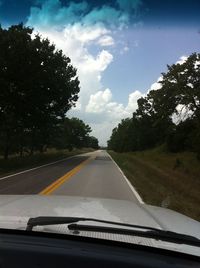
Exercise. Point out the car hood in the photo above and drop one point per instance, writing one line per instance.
(15, 210)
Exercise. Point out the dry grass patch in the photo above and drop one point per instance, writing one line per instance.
(164, 179)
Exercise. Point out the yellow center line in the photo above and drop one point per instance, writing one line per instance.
(53, 186)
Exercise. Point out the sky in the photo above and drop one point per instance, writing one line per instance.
(119, 47)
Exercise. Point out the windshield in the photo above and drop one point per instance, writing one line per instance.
(100, 112)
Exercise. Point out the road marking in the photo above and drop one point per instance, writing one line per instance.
(138, 197)
(52, 187)
(45, 165)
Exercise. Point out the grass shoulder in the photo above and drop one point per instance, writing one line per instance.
(164, 179)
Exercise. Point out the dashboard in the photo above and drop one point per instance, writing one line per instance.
(35, 249)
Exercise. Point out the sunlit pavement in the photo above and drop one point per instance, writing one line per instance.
(89, 175)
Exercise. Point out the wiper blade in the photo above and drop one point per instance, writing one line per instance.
(48, 220)
(144, 231)
(167, 236)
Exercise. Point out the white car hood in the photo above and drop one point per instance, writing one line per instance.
(15, 210)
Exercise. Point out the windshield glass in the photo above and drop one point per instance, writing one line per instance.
(100, 109)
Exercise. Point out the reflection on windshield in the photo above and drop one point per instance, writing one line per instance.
(100, 111)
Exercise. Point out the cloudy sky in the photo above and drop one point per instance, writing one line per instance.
(119, 47)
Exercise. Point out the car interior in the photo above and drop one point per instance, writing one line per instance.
(35, 249)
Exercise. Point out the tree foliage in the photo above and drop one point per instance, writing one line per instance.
(168, 115)
(38, 85)
(75, 133)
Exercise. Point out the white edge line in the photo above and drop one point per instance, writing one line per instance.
(138, 197)
(45, 165)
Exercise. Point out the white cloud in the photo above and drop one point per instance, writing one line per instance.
(73, 29)
(73, 40)
(157, 85)
(132, 101)
(98, 63)
(106, 40)
(182, 60)
(107, 113)
(101, 103)
(98, 101)
(86, 34)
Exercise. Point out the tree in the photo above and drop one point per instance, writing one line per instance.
(179, 97)
(181, 138)
(38, 85)
(75, 134)
(180, 90)
(92, 142)
(121, 138)
(153, 123)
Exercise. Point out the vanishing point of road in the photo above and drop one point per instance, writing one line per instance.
(92, 174)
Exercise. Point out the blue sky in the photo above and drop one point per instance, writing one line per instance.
(120, 47)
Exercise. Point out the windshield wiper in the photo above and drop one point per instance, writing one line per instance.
(51, 220)
(157, 234)
(147, 232)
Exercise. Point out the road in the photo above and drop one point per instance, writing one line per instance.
(92, 174)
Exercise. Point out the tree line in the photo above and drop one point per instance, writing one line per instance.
(38, 86)
(169, 115)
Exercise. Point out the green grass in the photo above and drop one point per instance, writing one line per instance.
(164, 179)
(17, 164)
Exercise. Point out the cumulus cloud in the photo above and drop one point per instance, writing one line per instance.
(98, 101)
(101, 103)
(157, 85)
(74, 27)
(108, 113)
(73, 40)
(132, 101)
(98, 63)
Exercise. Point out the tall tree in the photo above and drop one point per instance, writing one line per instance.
(180, 88)
(154, 122)
(75, 133)
(38, 85)
(92, 142)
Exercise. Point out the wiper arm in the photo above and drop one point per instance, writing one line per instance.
(167, 236)
(148, 232)
(46, 220)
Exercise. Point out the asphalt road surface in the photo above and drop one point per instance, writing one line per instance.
(90, 175)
